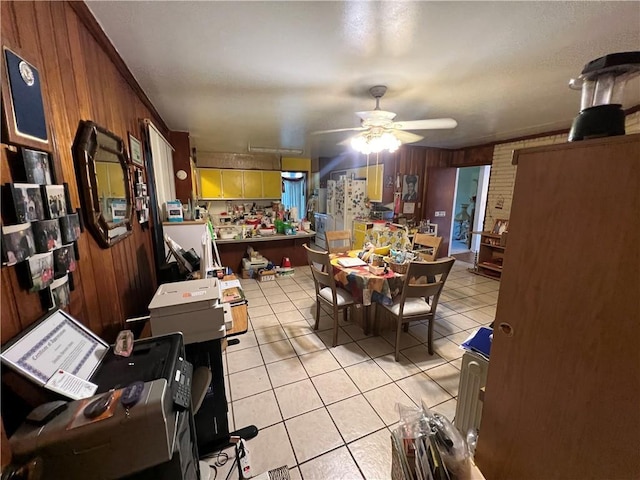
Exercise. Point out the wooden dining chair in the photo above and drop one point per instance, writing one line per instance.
(420, 294)
(427, 246)
(341, 236)
(326, 289)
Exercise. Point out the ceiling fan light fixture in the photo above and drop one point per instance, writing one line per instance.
(373, 141)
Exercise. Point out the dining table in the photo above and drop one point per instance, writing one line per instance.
(365, 286)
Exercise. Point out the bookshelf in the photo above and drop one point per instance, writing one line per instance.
(491, 254)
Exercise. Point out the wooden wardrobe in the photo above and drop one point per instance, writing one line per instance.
(562, 399)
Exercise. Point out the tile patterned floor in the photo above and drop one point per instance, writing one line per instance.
(327, 412)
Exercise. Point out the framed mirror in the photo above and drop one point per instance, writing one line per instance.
(103, 178)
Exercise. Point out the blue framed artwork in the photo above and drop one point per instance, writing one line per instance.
(24, 114)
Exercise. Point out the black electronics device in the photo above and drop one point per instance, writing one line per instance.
(98, 406)
(45, 412)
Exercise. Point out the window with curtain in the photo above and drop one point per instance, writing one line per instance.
(295, 187)
(162, 158)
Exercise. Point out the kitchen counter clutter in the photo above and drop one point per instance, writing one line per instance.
(274, 247)
(266, 238)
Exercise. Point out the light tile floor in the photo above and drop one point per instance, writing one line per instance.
(327, 412)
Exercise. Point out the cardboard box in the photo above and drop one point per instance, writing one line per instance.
(267, 275)
(246, 274)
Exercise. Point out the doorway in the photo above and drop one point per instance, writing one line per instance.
(294, 194)
(469, 205)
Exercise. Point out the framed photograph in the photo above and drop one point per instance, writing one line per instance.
(36, 166)
(17, 243)
(70, 228)
(60, 292)
(55, 204)
(135, 149)
(410, 188)
(64, 260)
(500, 227)
(40, 271)
(22, 100)
(27, 201)
(46, 234)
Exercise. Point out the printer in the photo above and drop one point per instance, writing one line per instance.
(114, 445)
(192, 307)
(155, 438)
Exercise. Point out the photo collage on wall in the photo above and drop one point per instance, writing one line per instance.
(40, 232)
(142, 198)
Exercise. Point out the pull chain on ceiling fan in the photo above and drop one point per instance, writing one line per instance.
(380, 132)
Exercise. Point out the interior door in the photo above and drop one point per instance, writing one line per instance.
(562, 393)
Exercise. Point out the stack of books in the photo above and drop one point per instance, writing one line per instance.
(231, 292)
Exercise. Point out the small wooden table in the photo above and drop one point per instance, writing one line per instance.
(239, 313)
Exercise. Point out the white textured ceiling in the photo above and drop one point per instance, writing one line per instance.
(269, 73)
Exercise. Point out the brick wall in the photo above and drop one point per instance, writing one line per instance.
(503, 173)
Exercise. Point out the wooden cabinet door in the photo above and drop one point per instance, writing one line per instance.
(272, 184)
(375, 176)
(252, 183)
(116, 180)
(232, 184)
(210, 182)
(562, 392)
(102, 177)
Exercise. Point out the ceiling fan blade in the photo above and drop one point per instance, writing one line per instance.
(380, 115)
(431, 124)
(407, 137)
(320, 132)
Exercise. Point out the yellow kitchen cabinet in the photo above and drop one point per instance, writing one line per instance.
(116, 180)
(232, 183)
(102, 176)
(360, 228)
(252, 183)
(375, 176)
(210, 182)
(110, 178)
(272, 184)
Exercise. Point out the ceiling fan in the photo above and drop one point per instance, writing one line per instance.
(379, 131)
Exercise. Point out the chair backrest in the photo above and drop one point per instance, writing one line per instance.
(421, 240)
(321, 268)
(396, 238)
(341, 236)
(427, 279)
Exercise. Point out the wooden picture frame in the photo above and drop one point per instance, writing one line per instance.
(135, 151)
(500, 226)
(24, 119)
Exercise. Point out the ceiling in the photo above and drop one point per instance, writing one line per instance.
(270, 73)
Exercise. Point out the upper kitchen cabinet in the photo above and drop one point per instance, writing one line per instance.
(375, 175)
(232, 181)
(234, 184)
(210, 182)
(272, 184)
(252, 183)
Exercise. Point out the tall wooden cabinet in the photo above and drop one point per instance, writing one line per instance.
(562, 398)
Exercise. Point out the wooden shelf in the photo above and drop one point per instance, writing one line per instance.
(490, 256)
(489, 266)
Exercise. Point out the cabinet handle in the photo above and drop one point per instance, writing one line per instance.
(506, 329)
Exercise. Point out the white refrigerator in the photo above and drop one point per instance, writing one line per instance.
(346, 202)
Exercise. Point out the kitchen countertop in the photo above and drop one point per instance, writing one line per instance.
(268, 238)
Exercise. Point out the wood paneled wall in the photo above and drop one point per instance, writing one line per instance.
(80, 82)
